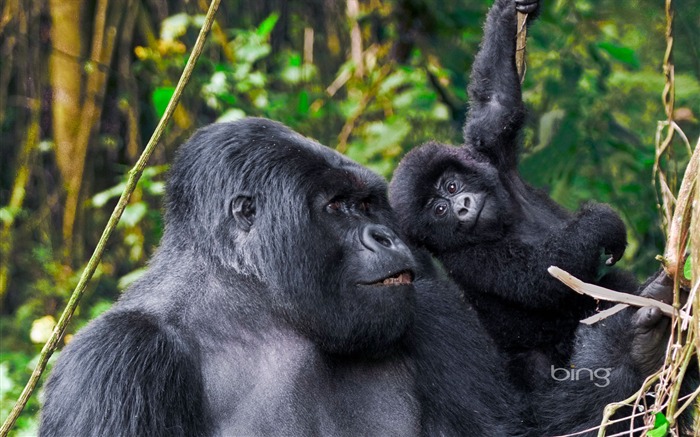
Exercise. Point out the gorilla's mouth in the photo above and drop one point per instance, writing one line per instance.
(401, 278)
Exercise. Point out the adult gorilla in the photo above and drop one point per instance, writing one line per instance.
(282, 302)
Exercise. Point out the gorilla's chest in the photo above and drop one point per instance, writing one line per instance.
(286, 388)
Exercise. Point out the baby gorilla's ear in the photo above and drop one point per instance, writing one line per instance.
(243, 211)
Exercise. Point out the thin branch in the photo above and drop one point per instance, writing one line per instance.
(604, 314)
(134, 175)
(520, 42)
(602, 293)
(675, 247)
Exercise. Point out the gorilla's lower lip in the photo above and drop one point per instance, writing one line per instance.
(401, 278)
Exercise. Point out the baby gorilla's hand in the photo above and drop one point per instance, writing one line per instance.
(607, 228)
(526, 6)
(651, 327)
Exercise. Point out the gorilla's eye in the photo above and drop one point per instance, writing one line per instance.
(334, 206)
(364, 206)
(451, 188)
(440, 209)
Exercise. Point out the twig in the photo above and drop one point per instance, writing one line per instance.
(602, 293)
(604, 314)
(675, 247)
(520, 42)
(134, 175)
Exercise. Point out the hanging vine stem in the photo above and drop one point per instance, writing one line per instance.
(134, 176)
(681, 224)
(520, 43)
(669, 100)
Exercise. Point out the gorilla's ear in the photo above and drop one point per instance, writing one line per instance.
(243, 211)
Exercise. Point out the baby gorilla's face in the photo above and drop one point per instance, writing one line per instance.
(458, 200)
(464, 208)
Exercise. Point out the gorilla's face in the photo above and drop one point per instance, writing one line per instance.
(449, 200)
(309, 225)
(354, 290)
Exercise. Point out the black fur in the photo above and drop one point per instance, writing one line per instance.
(495, 234)
(263, 313)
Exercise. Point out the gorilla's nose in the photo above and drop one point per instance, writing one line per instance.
(378, 238)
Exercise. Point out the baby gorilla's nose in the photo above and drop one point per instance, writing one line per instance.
(462, 205)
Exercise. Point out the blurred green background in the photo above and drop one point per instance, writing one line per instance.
(83, 83)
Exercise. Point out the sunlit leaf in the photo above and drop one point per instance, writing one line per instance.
(174, 26)
(133, 214)
(129, 279)
(42, 329)
(6, 383)
(253, 50)
(100, 199)
(232, 114)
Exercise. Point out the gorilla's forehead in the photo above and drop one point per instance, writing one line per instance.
(282, 151)
(259, 155)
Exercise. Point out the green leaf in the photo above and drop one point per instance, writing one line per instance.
(232, 114)
(133, 214)
(6, 384)
(687, 269)
(161, 97)
(253, 50)
(620, 53)
(100, 199)
(660, 426)
(130, 278)
(303, 106)
(267, 25)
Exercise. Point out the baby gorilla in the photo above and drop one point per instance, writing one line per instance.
(495, 234)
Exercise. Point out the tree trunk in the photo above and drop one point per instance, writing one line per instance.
(65, 76)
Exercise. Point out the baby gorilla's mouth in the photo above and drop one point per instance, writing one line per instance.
(401, 278)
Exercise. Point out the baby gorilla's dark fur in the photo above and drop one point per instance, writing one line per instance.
(495, 234)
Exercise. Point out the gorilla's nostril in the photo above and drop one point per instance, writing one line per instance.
(467, 202)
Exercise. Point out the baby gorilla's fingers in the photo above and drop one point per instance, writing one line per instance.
(615, 254)
(651, 331)
(660, 288)
(526, 6)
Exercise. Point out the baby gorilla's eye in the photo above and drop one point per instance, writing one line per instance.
(440, 209)
(364, 206)
(451, 188)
